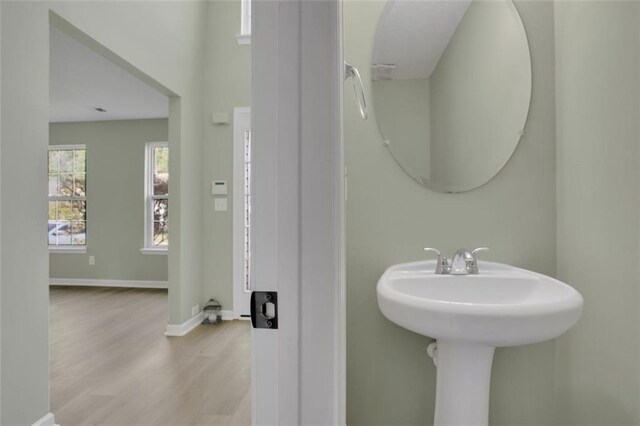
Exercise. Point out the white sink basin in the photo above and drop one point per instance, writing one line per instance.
(469, 316)
(501, 306)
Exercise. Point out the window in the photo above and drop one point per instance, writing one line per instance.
(67, 222)
(245, 23)
(156, 198)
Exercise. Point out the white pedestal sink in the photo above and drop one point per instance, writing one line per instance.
(471, 315)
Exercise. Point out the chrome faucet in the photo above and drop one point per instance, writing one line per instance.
(442, 265)
(464, 262)
(461, 262)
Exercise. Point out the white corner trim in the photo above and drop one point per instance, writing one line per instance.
(108, 283)
(47, 420)
(160, 251)
(68, 250)
(243, 39)
(175, 330)
(185, 327)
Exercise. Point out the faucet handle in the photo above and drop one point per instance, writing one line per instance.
(478, 250)
(442, 265)
(473, 267)
(435, 250)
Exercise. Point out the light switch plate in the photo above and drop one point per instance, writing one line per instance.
(220, 205)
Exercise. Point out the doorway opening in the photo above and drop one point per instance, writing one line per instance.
(110, 232)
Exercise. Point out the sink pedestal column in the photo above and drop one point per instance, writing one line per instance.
(463, 381)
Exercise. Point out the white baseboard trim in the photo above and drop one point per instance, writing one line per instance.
(108, 283)
(184, 328)
(178, 330)
(47, 420)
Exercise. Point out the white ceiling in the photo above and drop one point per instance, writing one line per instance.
(81, 80)
(413, 34)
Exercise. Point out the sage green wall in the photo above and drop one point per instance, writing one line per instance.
(403, 114)
(25, 298)
(598, 137)
(228, 85)
(0, 215)
(171, 54)
(390, 218)
(474, 127)
(115, 200)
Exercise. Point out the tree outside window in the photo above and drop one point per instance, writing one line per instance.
(67, 172)
(157, 232)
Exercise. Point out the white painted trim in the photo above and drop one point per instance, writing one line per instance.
(298, 220)
(321, 214)
(339, 218)
(175, 330)
(108, 283)
(275, 122)
(66, 147)
(241, 121)
(47, 420)
(245, 18)
(155, 251)
(243, 39)
(68, 250)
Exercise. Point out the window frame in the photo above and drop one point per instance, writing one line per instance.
(148, 247)
(68, 248)
(244, 37)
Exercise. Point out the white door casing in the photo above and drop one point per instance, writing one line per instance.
(241, 297)
(298, 190)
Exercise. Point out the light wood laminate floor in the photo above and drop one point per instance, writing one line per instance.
(112, 365)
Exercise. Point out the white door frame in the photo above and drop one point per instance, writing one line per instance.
(298, 211)
(241, 120)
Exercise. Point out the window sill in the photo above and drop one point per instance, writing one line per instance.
(155, 251)
(68, 250)
(243, 39)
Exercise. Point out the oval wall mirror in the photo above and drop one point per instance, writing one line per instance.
(451, 84)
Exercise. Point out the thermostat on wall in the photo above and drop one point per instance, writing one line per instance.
(219, 187)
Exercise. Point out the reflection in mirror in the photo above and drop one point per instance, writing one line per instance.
(451, 88)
